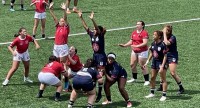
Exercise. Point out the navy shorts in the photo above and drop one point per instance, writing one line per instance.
(82, 82)
(100, 59)
(172, 59)
(156, 64)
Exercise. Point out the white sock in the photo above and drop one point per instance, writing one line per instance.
(6, 80)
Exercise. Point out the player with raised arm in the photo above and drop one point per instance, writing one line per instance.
(98, 46)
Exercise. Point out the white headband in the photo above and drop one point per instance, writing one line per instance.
(112, 55)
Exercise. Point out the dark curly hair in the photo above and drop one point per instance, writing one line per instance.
(89, 63)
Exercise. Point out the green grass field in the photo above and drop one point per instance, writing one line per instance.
(111, 14)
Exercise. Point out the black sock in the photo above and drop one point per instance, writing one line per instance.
(34, 36)
(89, 105)
(43, 35)
(40, 92)
(146, 77)
(57, 95)
(128, 101)
(109, 98)
(164, 93)
(161, 84)
(134, 75)
(100, 89)
(152, 90)
(11, 6)
(180, 85)
(71, 103)
(22, 6)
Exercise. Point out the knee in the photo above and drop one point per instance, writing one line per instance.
(173, 73)
(106, 85)
(26, 67)
(121, 89)
(100, 81)
(153, 78)
(43, 25)
(14, 69)
(35, 26)
(142, 67)
(133, 66)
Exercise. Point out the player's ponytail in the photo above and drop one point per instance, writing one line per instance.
(20, 30)
(16, 35)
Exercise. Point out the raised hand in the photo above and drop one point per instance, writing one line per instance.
(164, 30)
(63, 6)
(51, 5)
(91, 15)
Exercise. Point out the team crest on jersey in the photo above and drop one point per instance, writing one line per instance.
(174, 59)
(21, 43)
(159, 48)
(26, 42)
(95, 39)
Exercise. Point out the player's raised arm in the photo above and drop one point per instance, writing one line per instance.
(52, 13)
(45, 2)
(82, 20)
(63, 6)
(165, 31)
(94, 23)
(33, 2)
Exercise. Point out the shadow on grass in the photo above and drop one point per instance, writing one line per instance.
(185, 95)
(188, 92)
(119, 104)
(65, 96)
(27, 84)
(180, 97)
(157, 82)
(88, 12)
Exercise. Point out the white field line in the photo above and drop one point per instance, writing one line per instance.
(123, 28)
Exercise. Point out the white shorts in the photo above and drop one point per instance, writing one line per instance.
(48, 78)
(21, 56)
(71, 73)
(40, 15)
(60, 50)
(143, 54)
